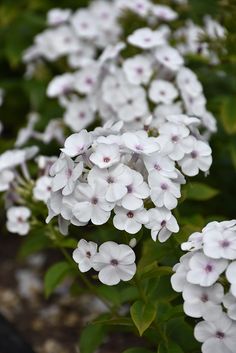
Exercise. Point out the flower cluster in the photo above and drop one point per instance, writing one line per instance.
(14, 178)
(193, 38)
(107, 83)
(201, 275)
(131, 173)
(114, 262)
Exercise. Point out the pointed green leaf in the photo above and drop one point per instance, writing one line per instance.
(143, 314)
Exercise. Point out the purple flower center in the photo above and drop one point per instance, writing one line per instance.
(94, 201)
(163, 223)
(84, 25)
(175, 138)
(114, 262)
(220, 335)
(208, 268)
(194, 154)
(164, 186)
(88, 254)
(110, 180)
(162, 93)
(106, 159)
(130, 214)
(204, 298)
(20, 219)
(129, 189)
(157, 167)
(139, 70)
(89, 81)
(82, 115)
(225, 244)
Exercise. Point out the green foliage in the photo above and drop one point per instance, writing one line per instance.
(137, 350)
(91, 337)
(199, 192)
(143, 314)
(228, 114)
(55, 275)
(34, 243)
(156, 312)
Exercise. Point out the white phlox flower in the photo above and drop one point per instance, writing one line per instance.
(18, 220)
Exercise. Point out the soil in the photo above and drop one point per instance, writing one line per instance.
(49, 326)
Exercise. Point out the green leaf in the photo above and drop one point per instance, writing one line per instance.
(228, 114)
(35, 242)
(137, 350)
(200, 192)
(91, 337)
(172, 348)
(55, 276)
(143, 314)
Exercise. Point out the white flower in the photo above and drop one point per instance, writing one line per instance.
(160, 165)
(161, 91)
(86, 78)
(194, 242)
(229, 302)
(198, 159)
(61, 85)
(17, 220)
(164, 13)
(187, 81)
(114, 181)
(138, 69)
(130, 221)
(175, 139)
(78, 115)
(84, 253)
(56, 17)
(91, 204)
(115, 262)
(218, 336)
(145, 38)
(220, 243)
(84, 24)
(231, 277)
(105, 156)
(42, 189)
(204, 270)
(141, 7)
(162, 223)
(137, 191)
(140, 143)
(202, 301)
(178, 279)
(77, 144)
(65, 174)
(12, 158)
(164, 192)
(6, 177)
(169, 57)
(132, 103)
